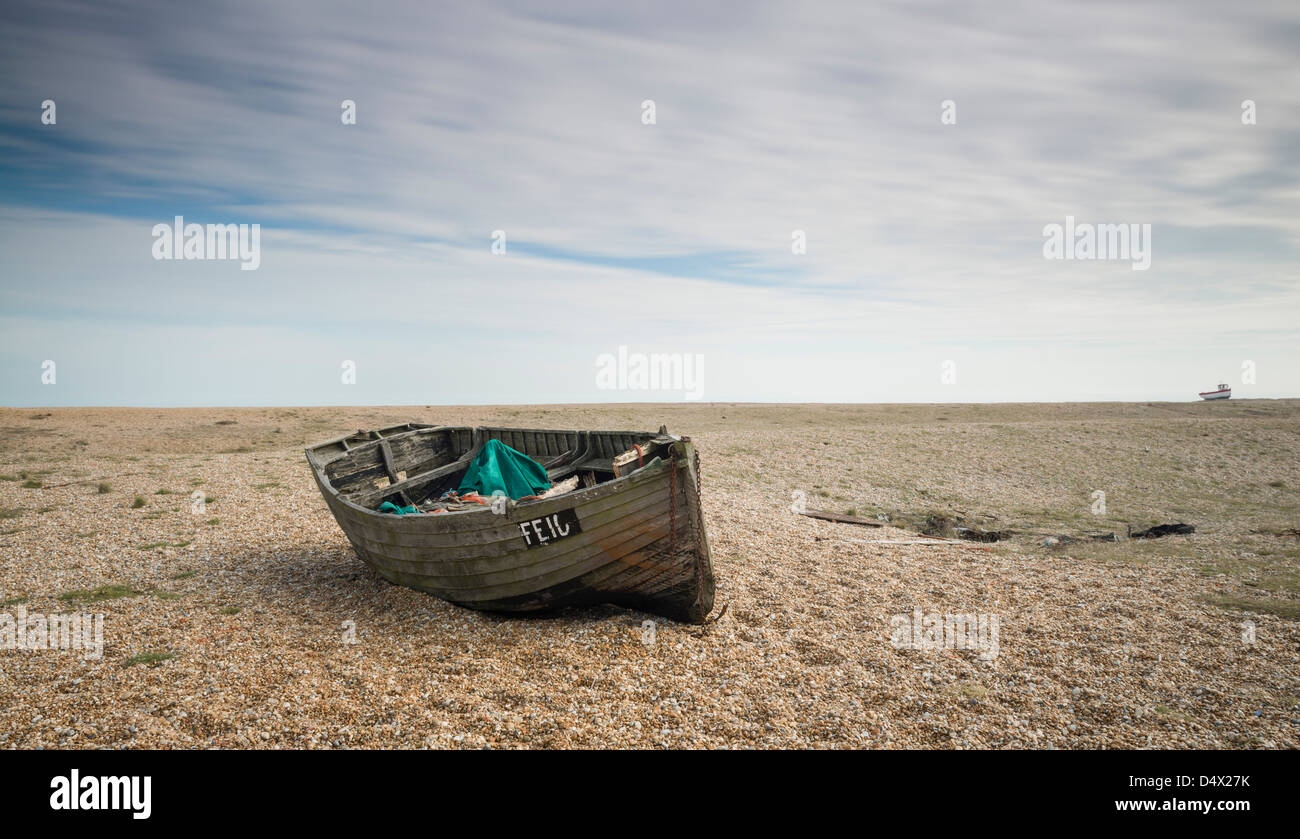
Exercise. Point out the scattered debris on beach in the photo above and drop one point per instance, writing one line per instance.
(1177, 529)
(954, 528)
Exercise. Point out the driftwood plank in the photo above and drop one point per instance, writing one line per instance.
(925, 540)
(822, 514)
(629, 461)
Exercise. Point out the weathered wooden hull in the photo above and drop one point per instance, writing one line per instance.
(640, 540)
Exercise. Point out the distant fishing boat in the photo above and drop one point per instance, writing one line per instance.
(1224, 392)
(631, 533)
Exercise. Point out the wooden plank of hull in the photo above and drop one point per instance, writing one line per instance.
(479, 560)
(645, 552)
(520, 565)
(449, 563)
(510, 554)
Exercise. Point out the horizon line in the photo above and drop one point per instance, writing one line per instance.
(638, 404)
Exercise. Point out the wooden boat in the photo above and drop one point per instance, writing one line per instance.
(631, 534)
(1224, 392)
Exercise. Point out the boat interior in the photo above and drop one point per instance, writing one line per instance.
(414, 464)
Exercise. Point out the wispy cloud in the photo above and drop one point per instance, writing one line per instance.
(924, 239)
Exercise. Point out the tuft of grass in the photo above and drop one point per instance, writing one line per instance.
(151, 659)
(269, 485)
(1288, 609)
(98, 595)
(163, 491)
(1279, 530)
(13, 601)
(10, 512)
(938, 523)
(968, 691)
(32, 483)
(184, 575)
(214, 521)
(153, 545)
(138, 502)
(163, 594)
(104, 488)
(230, 610)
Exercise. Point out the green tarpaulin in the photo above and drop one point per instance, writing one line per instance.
(499, 467)
(390, 507)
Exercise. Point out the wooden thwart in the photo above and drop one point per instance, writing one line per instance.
(369, 497)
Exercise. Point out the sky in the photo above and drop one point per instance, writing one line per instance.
(920, 148)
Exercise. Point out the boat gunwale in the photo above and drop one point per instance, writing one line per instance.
(582, 494)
